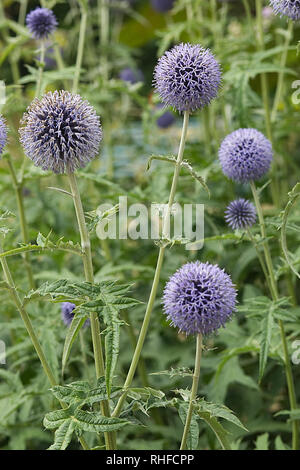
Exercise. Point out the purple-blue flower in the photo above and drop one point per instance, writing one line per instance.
(3, 134)
(131, 75)
(41, 22)
(290, 8)
(240, 214)
(166, 119)
(199, 298)
(245, 155)
(162, 5)
(187, 77)
(61, 132)
(67, 314)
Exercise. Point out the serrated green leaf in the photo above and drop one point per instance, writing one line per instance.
(193, 435)
(54, 419)
(72, 333)
(94, 422)
(63, 435)
(217, 428)
(265, 339)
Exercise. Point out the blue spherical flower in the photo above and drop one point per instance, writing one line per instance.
(289, 8)
(199, 298)
(240, 214)
(187, 77)
(41, 22)
(61, 132)
(131, 76)
(67, 314)
(245, 155)
(3, 134)
(162, 5)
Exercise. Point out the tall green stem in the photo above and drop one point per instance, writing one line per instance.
(195, 384)
(16, 299)
(86, 246)
(18, 187)
(263, 76)
(103, 13)
(274, 293)
(40, 71)
(265, 97)
(260, 258)
(248, 12)
(83, 23)
(22, 12)
(280, 81)
(156, 279)
(89, 276)
(30, 330)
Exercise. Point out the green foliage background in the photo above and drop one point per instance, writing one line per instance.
(241, 368)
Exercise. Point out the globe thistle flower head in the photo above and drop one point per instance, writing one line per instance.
(67, 315)
(131, 76)
(245, 155)
(289, 8)
(41, 22)
(187, 77)
(3, 134)
(162, 6)
(240, 214)
(199, 298)
(60, 132)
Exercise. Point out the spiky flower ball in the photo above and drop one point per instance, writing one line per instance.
(41, 22)
(3, 134)
(61, 132)
(289, 8)
(162, 5)
(199, 298)
(131, 76)
(240, 214)
(67, 315)
(187, 77)
(245, 155)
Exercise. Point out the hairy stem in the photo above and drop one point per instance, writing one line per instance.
(274, 293)
(145, 325)
(195, 384)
